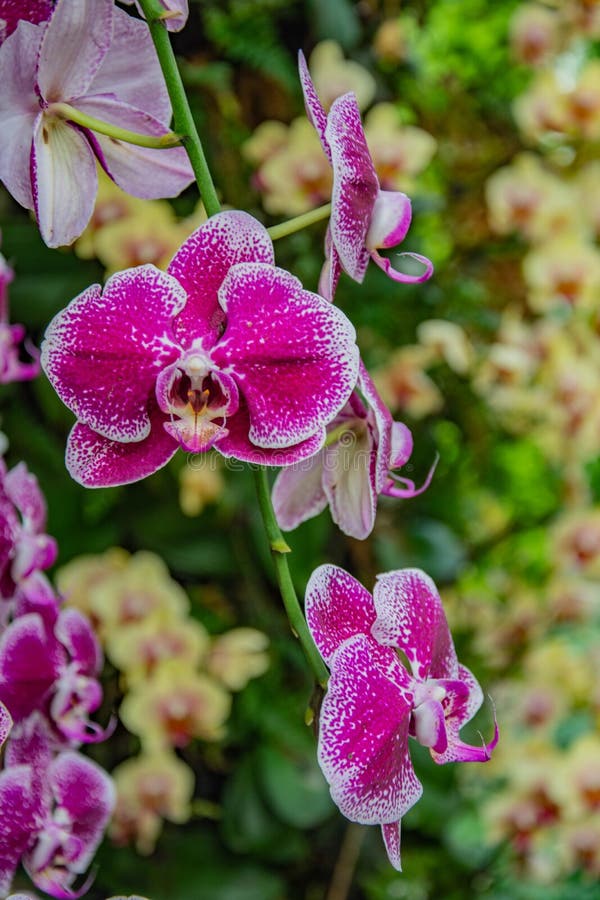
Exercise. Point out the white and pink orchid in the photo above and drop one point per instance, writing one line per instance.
(11, 336)
(359, 462)
(224, 350)
(82, 58)
(364, 218)
(373, 703)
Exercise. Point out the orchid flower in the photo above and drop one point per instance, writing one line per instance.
(80, 63)
(24, 548)
(57, 807)
(49, 662)
(11, 368)
(373, 703)
(364, 447)
(175, 15)
(224, 350)
(363, 217)
(5, 723)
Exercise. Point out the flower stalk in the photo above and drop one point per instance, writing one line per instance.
(299, 222)
(186, 128)
(70, 114)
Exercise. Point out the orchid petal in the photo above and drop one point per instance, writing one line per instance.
(30, 660)
(104, 352)
(74, 45)
(75, 633)
(14, 11)
(292, 353)
(314, 107)
(382, 424)
(62, 210)
(337, 607)
(236, 443)
(349, 484)
(142, 172)
(297, 492)
(19, 108)
(142, 85)
(461, 706)
(386, 265)
(5, 723)
(391, 839)
(96, 461)
(363, 734)
(203, 261)
(392, 489)
(20, 820)
(410, 616)
(355, 185)
(402, 445)
(390, 220)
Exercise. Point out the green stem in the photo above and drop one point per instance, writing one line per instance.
(182, 114)
(65, 111)
(184, 125)
(299, 222)
(279, 549)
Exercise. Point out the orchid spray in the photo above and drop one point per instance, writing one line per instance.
(224, 351)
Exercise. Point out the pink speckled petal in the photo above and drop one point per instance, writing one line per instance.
(410, 616)
(391, 838)
(5, 723)
(314, 107)
(331, 271)
(355, 185)
(337, 607)
(142, 85)
(20, 820)
(298, 494)
(77, 636)
(104, 352)
(292, 353)
(363, 734)
(19, 108)
(380, 420)
(96, 461)
(74, 45)
(463, 701)
(14, 11)
(203, 261)
(386, 265)
(236, 444)
(23, 490)
(390, 220)
(142, 172)
(30, 660)
(64, 180)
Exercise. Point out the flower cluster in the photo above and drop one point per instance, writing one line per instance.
(176, 679)
(55, 802)
(11, 367)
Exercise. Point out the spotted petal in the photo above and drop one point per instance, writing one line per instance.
(337, 607)
(20, 820)
(410, 616)
(104, 351)
(201, 264)
(462, 706)
(355, 185)
(235, 443)
(292, 353)
(363, 734)
(314, 107)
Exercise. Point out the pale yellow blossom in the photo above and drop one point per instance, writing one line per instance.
(333, 75)
(237, 656)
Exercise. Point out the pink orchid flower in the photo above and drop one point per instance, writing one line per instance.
(54, 812)
(24, 547)
(5, 723)
(175, 15)
(224, 350)
(373, 703)
(49, 662)
(82, 57)
(12, 11)
(363, 217)
(11, 367)
(363, 450)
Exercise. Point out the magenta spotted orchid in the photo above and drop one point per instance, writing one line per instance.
(374, 704)
(24, 546)
(82, 58)
(12, 11)
(55, 809)
(359, 462)
(224, 350)
(364, 218)
(11, 336)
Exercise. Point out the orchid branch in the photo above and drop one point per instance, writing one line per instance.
(299, 222)
(155, 142)
(184, 124)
